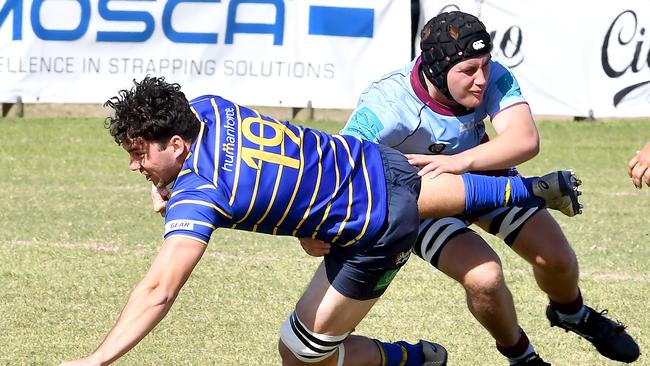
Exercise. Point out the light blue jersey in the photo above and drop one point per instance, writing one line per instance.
(250, 172)
(397, 111)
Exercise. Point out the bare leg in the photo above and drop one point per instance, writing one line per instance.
(442, 196)
(324, 310)
(542, 243)
(468, 259)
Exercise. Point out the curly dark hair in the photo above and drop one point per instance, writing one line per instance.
(154, 110)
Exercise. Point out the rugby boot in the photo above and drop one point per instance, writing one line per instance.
(433, 354)
(559, 190)
(608, 336)
(532, 359)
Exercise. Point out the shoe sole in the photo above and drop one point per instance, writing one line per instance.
(569, 184)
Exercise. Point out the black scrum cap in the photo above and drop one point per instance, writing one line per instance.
(448, 39)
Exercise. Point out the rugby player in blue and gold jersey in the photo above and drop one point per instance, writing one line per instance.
(227, 166)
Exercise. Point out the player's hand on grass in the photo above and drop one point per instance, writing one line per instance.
(434, 165)
(639, 167)
(159, 198)
(315, 247)
(86, 361)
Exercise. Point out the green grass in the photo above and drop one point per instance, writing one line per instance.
(78, 233)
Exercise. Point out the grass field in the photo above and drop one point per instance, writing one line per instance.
(78, 233)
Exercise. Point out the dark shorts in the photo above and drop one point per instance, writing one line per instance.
(365, 273)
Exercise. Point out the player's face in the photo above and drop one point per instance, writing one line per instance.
(467, 81)
(158, 164)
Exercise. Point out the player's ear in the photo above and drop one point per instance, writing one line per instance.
(178, 145)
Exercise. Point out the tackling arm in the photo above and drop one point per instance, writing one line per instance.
(150, 300)
(315, 247)
(517, 141)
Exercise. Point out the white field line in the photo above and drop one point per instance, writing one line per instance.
(594, 276)
(104, 247)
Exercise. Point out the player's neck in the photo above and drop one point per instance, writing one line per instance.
(439, 97)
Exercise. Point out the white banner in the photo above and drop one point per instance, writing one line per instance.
(575, 58)
(267, 52)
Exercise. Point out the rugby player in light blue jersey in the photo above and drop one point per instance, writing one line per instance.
(227, 166)
(433, 111)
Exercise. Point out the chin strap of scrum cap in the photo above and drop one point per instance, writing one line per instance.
(448, 39)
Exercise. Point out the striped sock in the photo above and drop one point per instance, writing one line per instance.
(400, 353)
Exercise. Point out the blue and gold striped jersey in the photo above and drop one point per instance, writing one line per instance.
(250, 172)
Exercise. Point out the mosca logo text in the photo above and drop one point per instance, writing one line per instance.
(323, 20)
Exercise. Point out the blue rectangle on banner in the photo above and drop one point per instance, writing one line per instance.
(336, 21)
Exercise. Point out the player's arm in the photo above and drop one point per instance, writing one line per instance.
(517, 141)
(517, 138)
(315, 247)
(150, 300)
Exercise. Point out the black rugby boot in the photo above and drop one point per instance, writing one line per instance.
(532, 359)
(608, 336)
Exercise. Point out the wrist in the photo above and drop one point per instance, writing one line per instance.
(96, 358)
(468, 162)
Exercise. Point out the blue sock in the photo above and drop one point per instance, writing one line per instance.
(483, 192)
(394, 354)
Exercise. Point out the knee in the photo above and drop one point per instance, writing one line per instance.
(288, 359)
(299, 345)
(561, 262)
(485, 280)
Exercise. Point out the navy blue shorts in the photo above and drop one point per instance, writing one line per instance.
(365, 273)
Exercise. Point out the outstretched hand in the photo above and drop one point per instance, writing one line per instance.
(86, 361)
(434, 165)
(159, 198)
(639, 167)
(315, 247)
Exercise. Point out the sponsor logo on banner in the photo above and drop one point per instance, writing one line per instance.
(105, 25)
(323, 20)
(508, 46)
(264, 52)
(449, 8)
(507, 40)
(627, 36)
